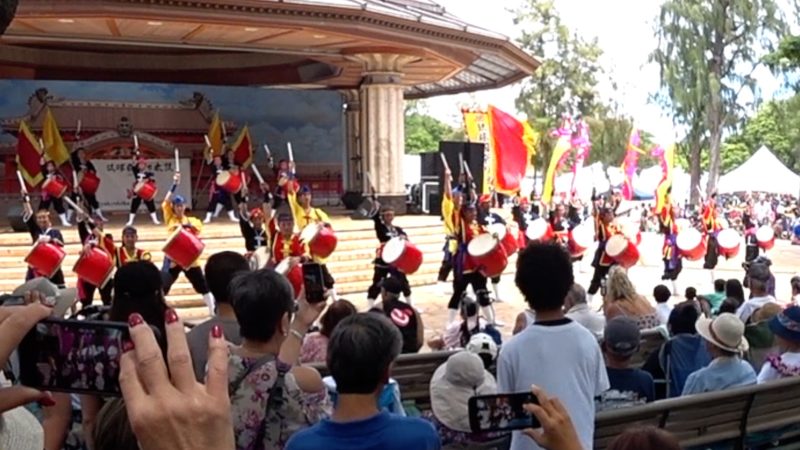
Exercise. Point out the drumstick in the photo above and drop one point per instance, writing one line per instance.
(22, 182)
(73, 205)
(75, 177)
(291, 154)
(266, 149)
(224, 130)
(78, 129)
(208, 141)
(444, 163)
(177, 162)
(135, 142)
(41, 143)
(257, 173)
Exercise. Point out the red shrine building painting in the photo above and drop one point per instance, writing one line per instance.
(106, 135)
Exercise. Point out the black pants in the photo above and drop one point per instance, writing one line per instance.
(57, 278)
(672, 270)
(447, 262)
(91, 200)
(460, 284)
(327, 279)
(193, 274)
(136, 201)
(712, 253)
(58, 204)
(88, 292)
(380, 274)
(496, 280)
(600, 273)
(219, 197)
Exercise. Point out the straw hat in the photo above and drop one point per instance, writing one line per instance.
(725, 331)
(453, 383)
(19, 430)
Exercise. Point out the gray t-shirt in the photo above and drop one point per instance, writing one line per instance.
(198, 341)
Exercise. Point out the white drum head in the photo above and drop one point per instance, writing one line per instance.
(723, 222)
(536, 229)
(689, 239)
(499, 229)
(393, 250)
(683, 224)
(583, 234)
(259, 258)
(616, 245)
(309, 232)
(482, 245)
(629, 229)
(765, 234)
(728, 238)
(283, 267)
(223, 177)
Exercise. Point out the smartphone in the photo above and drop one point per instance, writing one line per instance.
(76, 356)
(313, 283)
(501, 412)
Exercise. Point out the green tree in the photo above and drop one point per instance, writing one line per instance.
(707, 53)
(566, 81)
(609, 136)
(424, 132)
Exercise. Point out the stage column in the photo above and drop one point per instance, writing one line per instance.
(382, 124)
(352, 127)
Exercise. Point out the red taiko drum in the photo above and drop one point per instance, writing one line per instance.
(580, 239)
(539, 230)
(292, 273)
(94, 266)
(728, 241)
(402, 255)
(488, 254)
(46, 258)
(183, 247)
(765, 236)
(691, 244)
(89, 183)
(320, 239)
(229, 182)
(146, 190)
(55, 187)
(505, 236)
(631, 231)
(622, 250)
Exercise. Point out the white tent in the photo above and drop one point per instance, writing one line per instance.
(762, 172)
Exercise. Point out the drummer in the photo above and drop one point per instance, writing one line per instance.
(174, 210)
(219, 197)
(287, 181)
(385, 230)
(452, 199)
(41, 229)
(523, 214)
(240, 196)
(253, 224)
(487, 218)
(82, 165)
(91, 235)
(287, 243)
(141, 175)
(51, 171)
(604, 229)
(711, 226)
(128, 252)
(560, 224)
(304, 215)
(670, 254)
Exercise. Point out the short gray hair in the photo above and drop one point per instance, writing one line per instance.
(576, 294)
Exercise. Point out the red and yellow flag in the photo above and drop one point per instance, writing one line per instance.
(243, 149)
(29, 156)
(214, 138)
(666, 157)
(560, 153)
(512, 146)
(54, 147)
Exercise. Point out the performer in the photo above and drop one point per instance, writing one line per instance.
(670, 254)
(711, 228)
(454, 197)
(241, 196)
(523, 214)
(51, 171)
(287, 181)
(82, 165)
(287, 243)
(253, 224)
(91, 235)
(141, 175)
(128, 252)
(604, 229)
(304, 214)
(385, 230)
(560, 224)
(487, 218)
(219, 197)
(174, 209)
(41, 229)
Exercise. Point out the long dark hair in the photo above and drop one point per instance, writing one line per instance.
(138, 289)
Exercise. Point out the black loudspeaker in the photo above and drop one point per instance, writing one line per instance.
(351, 199)
(14, 216)
(471, 152)
(430, 164)
(434, 200)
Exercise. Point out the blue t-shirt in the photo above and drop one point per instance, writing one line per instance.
(629, 387)
(382, 431)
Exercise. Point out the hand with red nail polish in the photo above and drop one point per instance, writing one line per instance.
(15, 322)
(170, 409)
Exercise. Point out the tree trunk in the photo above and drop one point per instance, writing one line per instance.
(7, 10)
(714, 144)
(694, 169)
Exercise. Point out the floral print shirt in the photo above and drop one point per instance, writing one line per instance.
(315, 348)
(248, 405)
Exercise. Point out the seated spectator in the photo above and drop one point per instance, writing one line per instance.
(555, 353)
(759, 336)
(758, 276)
(661, 294)
(645, 438)
(734, 289)
(629, 386)
(315, 345)
(759, 269)
(404, 316)
(795, 282)
(690, 293)
(361, 351)
(724, 336)
(729, 305)
(578, 310)
(454, 382)
(458, 334)
(270, 399)
(523, 320)
(621, 299)
(219, 271)
(715, 298)
(786, 328)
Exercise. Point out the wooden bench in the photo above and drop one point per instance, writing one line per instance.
(729, 415)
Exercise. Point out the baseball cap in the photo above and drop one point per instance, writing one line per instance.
(178, 200)
(305, 189)
(63, 298)
(622, 336)
(392, 285)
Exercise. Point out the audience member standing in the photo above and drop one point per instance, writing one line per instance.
(361, 351)
(555, 353)
(786, 328)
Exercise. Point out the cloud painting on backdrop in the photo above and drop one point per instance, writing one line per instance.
(311, 120)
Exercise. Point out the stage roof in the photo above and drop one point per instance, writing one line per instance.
(307, 44)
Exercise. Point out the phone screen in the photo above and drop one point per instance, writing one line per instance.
(73, 356)
(312, 281)
(501, 412)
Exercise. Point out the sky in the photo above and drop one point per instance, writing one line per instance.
(624, 29)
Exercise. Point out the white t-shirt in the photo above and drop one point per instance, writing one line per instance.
(566, 362)
(752, 305)
(769, 373)
(591, 320)
(663, 311)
